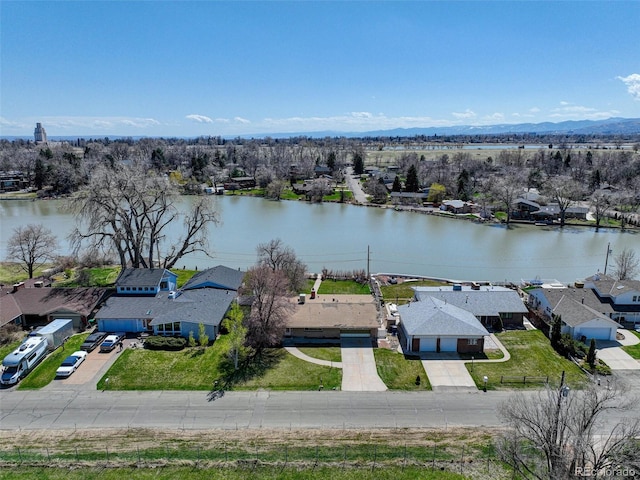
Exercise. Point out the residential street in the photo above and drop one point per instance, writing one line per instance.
(67, 406)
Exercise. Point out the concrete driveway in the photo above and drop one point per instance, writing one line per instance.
(447, 372)
(359, 372)
(617, 359)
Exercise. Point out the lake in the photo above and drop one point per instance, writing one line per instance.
(338, 236)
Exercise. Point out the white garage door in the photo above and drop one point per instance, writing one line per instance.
(448, 344)
(427, 344)
(602, 333)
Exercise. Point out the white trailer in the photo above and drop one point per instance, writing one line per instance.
(56, 332)
(23, 359)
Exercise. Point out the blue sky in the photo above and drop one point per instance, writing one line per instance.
(236, 68)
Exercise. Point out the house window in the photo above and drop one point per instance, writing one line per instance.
(472, 341)
(507, 315)
(635, 299)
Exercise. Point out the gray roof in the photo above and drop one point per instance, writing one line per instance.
(488, 301)
(207, 306)
(217, 277)
(607, 285)
(583, 296)
(135, 277)
(436, 317)
(574, 313)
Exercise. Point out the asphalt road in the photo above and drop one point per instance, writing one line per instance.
(67, 406)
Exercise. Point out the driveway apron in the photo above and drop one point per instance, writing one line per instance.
(448, 374)
(359, 372)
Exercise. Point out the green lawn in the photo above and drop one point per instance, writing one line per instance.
(196, 369)
(343, 287)
(183, 275)
(531, 355)
(633, 350)
(46, 371)
(8, 348)
(331, 354)
(402, 292)
(398, 372)
(11, 273)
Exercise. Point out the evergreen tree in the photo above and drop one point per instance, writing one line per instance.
(556, 332)
(412, 184)
(397, 186)
(591, 356)
(358, 164)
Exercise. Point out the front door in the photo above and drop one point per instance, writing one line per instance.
(415, 345)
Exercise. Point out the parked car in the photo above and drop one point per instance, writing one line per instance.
(111, 342)
(71, 363)
(92, 341)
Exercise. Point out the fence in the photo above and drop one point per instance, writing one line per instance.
(473, 463)
(524, 379)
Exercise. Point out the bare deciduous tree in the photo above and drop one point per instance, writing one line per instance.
(559, 435)
(626, 265)
(270, 308)
(277, 256)
(129, 211)
(563, 192)
(31, 246)
(506, 190)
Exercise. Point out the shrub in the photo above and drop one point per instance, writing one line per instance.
(165, 343)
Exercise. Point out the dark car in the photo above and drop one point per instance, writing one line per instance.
(92, 341)
(112, 341)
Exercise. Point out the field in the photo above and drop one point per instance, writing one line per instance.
(237, 454)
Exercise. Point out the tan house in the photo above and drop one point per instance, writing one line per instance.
(332, 317)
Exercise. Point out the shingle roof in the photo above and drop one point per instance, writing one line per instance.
(135, 277)
(488, 301)
(436, 317)
(217, 277)
(607, 285)
(207, 306)
(42, 301)
(583, 296)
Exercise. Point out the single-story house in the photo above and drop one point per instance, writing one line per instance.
(487, 303)
(409, 198)
(579, 309)
(457, 206)
(204, 299)
(35, 306)
(331, 317)
(433, 325)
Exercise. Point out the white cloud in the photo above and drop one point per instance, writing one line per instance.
(564, 103)
(199, 118)
(534, 110)
(633, 84)
(241, 120)
(496, 117)
(468, 113)
(580, 112)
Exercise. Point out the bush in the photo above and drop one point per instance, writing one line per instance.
(165, 343)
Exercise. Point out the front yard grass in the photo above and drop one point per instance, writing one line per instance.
(398, 372)
(197, 369)
(46, 371)
(532, 356)
(633, 350)
(331, 354)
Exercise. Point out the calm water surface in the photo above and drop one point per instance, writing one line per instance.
(337, 237)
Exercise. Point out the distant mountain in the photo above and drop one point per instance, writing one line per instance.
(611, 126)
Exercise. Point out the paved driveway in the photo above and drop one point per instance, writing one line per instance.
(617, 359)
(447, 372)
(359, 372)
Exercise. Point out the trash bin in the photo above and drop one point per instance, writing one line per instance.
(313, 294)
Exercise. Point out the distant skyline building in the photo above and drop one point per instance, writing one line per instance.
(40, 134)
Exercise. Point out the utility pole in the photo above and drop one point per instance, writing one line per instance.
(368, 262)
(606, 260)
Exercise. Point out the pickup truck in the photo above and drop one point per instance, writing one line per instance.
(111, 342)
